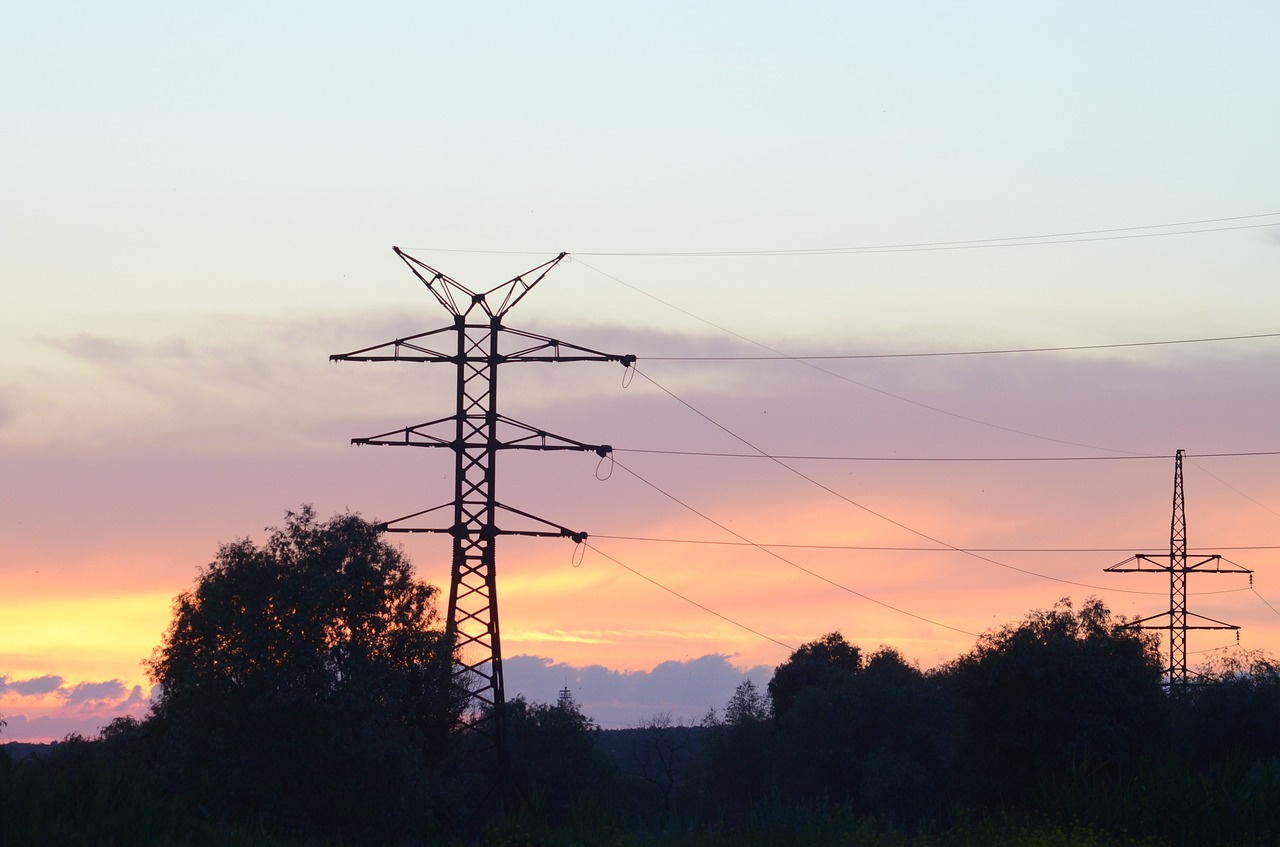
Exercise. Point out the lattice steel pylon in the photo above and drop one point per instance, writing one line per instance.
(476, 433)
(1176, 563)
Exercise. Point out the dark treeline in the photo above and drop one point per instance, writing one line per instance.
(304, 703)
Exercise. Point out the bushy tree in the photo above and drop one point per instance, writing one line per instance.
(872, 735)
(1063, 689)
(814, 663)
(556, 765)
(738, 752)
(877, 739)
(303, 681)
(1233, 710)
(747, 705)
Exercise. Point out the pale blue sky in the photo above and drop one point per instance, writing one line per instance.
(262, 157)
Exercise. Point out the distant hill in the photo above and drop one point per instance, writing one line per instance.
(625, 745)
(662, 756)
(19, 750)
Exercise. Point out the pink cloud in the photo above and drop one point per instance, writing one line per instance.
(38, 710)
(685, 690)
(28, 687)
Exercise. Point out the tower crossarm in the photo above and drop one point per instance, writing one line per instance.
(418, 435)
(1208, 623)
(544, 348)
(411, 348)
(460, 300)
(511, 435)
(538, 348)
(1162, 621)
(390, 526)
(1165, 562)
(1216, 564)
(551, 530)
(539, 528)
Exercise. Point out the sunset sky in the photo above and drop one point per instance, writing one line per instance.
(199, 208)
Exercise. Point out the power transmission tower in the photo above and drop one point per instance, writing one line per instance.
(1178, 567)
(478, 343)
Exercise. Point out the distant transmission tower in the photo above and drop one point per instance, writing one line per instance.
(1176, 564)
(477, 343)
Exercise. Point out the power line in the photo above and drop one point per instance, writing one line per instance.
(757, 632)
(1078, 236)
(929, 247)
(688, 600)
(907, 549)
(996, 352)
(1209, 650)
(1237, 490)
(1016, 241)
(1252, 588)
(1264, 600)
(969, 551)
(851, 502)
(807, 360)
(812, 458)
(815, 458)
(787, 561)
(849, 380)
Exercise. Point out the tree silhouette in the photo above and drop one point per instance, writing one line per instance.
(814, 663)
(556, 764)
(738, 752)
(1232, 710)
(303, 680)
(1063, 688)
(748, 704)
(876, 739)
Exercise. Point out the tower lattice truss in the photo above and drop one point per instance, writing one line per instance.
(1177, 620)
(477, 344)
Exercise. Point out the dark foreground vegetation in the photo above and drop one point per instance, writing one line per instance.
(304, 703)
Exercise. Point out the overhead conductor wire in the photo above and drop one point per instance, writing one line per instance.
(1072, 348)
(687, 599)
(813, 458)
(784, 356)
(1053, 238)
(843, 378)
(941, 543)
(787, 561)
(1078, 236)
